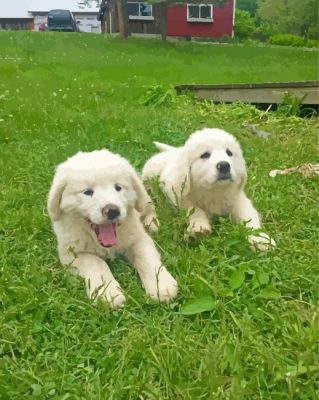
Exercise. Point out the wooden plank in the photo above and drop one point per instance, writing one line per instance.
(267, 93)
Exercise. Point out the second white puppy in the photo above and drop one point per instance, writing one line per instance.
(207, 175)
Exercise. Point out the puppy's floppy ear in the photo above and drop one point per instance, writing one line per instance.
(176, 178)
(55, 195)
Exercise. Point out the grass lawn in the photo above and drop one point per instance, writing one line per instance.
(60, 93)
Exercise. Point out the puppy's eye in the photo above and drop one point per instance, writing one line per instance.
(205, 155)
(88, 192)
(118, 188)
(229, 153)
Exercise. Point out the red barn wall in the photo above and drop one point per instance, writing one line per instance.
(177, 24)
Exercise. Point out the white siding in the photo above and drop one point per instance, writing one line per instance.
(38, 20)
(88, 22)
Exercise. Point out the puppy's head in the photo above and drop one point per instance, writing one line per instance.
(99, 187)
(215, 159)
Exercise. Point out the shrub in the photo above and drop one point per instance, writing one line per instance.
(290, 105)
(293, 40)
(158, 96)
(312, 43)
(244, 24)
(313, 32)
(265, 30)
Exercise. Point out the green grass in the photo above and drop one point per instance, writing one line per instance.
(61, 93)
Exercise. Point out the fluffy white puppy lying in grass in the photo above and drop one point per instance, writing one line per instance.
(96, 203)
(207, 175)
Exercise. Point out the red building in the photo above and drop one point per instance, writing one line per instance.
(187, 20)
(203, 20)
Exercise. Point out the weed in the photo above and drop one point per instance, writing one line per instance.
(157, 96)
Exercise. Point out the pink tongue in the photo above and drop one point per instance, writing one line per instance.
(107, 235)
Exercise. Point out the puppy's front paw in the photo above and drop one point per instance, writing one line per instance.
(199, 226)
(163, 287)
(261, 242)
(151, 222)
(110, 292)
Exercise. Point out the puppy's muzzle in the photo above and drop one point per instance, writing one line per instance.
(223, 168)
(111, 212)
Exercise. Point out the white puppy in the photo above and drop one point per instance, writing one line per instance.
(207, 175)
(96, 202)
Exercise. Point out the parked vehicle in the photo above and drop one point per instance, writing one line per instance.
(62, 20)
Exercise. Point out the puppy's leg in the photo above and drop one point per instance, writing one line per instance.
(99, 279)
(145, 205)
(157, 281)
(198, 222)
(149, 217)
(244, 211)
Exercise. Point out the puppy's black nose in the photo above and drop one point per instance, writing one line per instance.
(223, 167)
(111, 212)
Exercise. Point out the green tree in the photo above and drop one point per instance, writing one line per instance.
(291, 16)
(88, 3)
(247, 5)
(121, 7)
(244, 24)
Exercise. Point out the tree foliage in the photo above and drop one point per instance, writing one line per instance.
(247, 5)
(244, 24)
(89, 3)
(291, 16)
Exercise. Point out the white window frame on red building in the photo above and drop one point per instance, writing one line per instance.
(199, 19)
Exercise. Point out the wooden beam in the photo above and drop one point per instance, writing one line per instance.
(267, 93)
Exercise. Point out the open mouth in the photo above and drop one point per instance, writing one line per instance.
(224, 178)
(105, 233)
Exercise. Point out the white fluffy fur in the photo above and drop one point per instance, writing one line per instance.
(192, 182)
(70, 209)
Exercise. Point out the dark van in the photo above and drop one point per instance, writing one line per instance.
(61, 20)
